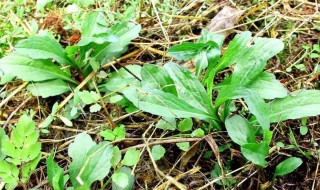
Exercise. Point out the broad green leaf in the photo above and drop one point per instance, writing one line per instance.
(157, 152)
(48, 88)
(186, 50)
(55, 173)
(5, 78)
(125, 31)
(265, 85)
(95, 162)
(250, 64)
(299, 104)
(268, 87)
(164, 104)
(120, 179)
(259, 108)
(98, 39)
(236, 48)
(122, 78)
(189, 88)
(157, 78)
(43, 47)
(207, 36)
(185, 125)
(131, 157)
(287, 166)
(31, 70)
(250, 60)
(256, 152)
(239, 130)
(93, 23)
(184, 146)
(127, 171)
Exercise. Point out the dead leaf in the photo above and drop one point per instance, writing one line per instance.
(225, 20)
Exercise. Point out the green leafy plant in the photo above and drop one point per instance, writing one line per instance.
(48, 66)
(91, 163)
(19, 154)
(172, 91)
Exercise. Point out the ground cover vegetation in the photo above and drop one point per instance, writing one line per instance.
(152, 95)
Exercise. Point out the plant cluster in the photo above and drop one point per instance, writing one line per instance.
(170, 91)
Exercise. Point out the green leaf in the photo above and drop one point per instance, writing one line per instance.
(55, 173)
(167, 124)
(116, 158)
(120, 179)
(125, 31)
(43, 47)
(48, 88)
(250, 61)
(256, 152)
(287, 166)
(95, 108)
(66, 121)
(88, 97)
(185, 125)
(157, 78)
(259, 108)
(164, 104)
(303, 130)
(93, 23)
(239, 130)
(28, 169)
(118, 133)
(189, 88)
(205, 58)
(3, 138)
(93, 160)
(299, 104)
(122, 78)
(98, 39)
(42, 3)
(9, 174)
(31, 70)
(186, 50)
(108, 135)
(131, 157)
(197, 133)
(157, 152)
(127, 171)
(184, 146)
(268, 87)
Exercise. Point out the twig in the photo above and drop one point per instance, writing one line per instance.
(13, 93)
(169, 178)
